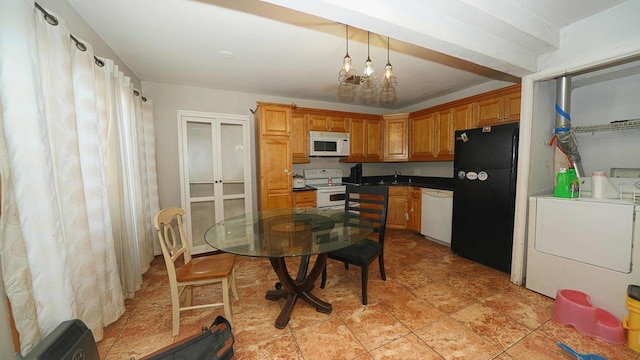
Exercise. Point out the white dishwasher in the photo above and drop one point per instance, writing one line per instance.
(437, 208)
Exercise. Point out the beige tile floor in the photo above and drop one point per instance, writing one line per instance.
(434, 305)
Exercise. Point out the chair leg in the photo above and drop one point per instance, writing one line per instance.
(381, 263)
(175, 313)
(226, 302)
(188, 289)
(365, 271)
(234, 289)
(324, 277)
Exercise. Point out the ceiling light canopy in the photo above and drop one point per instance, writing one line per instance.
(367, 83)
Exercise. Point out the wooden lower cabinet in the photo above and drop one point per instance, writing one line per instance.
(304, 198)
(398, 208)
(415, 209)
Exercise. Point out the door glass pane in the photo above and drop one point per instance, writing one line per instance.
(233, 158)
(233, 189)
(233, 207)
(200, 157)
(203, 215)
(201, 189)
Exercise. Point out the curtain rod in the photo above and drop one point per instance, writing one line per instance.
(52, 20)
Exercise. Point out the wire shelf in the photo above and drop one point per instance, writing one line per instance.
(613, 126)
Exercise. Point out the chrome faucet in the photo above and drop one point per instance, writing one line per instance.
(395, 177)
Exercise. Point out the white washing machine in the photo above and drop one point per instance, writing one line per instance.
(589, 245)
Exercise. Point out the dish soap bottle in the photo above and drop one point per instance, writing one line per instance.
(562, 186)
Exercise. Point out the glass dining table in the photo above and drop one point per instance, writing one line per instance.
(292, 232)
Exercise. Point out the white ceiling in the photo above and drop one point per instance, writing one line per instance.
(294, 49)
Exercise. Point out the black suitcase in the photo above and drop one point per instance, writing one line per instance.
(70, 340)
(214, 343)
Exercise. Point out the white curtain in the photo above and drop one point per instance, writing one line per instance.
(79, 186)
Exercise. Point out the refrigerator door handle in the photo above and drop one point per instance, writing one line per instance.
(514, 162)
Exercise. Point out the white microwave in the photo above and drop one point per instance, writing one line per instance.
(325, 143)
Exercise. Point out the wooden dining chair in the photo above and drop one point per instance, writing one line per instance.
(371, 202)
(191, 271)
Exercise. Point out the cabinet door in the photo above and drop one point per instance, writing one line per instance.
(275, 172)
(415, 209)
(338, 124)
(462, 117)
(445, 139)
(328, 122)
(395, 135)
(372, 139)
(215, 159)
(318, 122)
(398, 209)
(423, 129)
(299, 137)
(364, 139)
(511, 107)
(489, 112)
(275, 119)
(304, 198)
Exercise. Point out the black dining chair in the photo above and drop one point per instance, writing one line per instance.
(371, 202)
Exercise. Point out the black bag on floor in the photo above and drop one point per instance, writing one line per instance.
(214, 343)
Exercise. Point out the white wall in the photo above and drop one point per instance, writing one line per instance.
(169, 98)
(599, 104)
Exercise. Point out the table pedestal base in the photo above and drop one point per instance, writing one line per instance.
(299, 288)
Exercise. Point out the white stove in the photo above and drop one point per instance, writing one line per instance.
(328, 182)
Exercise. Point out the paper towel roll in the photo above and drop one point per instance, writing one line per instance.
(601, 186)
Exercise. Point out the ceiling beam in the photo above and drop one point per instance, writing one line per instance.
(498, 34)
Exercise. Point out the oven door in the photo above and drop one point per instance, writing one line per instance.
(330, 197)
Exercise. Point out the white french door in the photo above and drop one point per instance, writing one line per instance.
(215, 171)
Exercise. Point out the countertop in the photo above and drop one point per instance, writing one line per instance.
(306, 188)
(430, 182)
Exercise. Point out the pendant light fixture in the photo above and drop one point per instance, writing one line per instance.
(347, 74)
(368, 74)
(389, 79)
(367, 83)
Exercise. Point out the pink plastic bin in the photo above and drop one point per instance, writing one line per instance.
(573, 307)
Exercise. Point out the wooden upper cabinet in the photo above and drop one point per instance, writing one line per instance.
(463, 116)
(364, 140)
(444, 143)
(512, 106)
(299, 137)
(396, 138)
(275, 119)
(498, 107)
(422, 129)
(328, 122)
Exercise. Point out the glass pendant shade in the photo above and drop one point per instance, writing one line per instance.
(388, 71)
(346, 64)
(368, 68)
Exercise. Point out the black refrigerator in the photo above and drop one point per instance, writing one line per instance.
(484, 194)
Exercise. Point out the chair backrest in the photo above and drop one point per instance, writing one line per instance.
(173, 246)
(371, 202)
